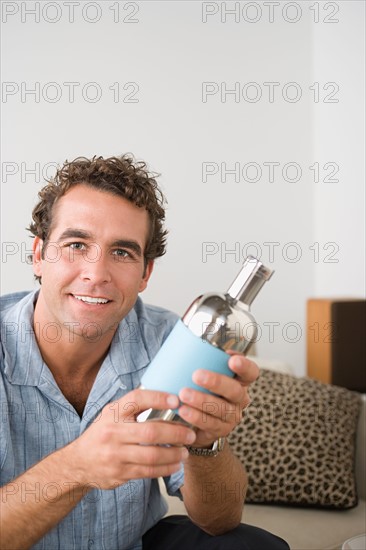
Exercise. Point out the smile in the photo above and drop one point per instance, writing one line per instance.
(91, 299)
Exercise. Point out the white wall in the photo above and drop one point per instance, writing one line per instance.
(339, 136)
(168, 53)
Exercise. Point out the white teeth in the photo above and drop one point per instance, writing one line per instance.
(91, 300)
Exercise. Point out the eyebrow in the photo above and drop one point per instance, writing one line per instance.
(71, 233)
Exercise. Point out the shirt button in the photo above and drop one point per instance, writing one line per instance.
(90, 543)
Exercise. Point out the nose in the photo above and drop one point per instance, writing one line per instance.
(95, 268)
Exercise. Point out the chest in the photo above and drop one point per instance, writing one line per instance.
(76, 390)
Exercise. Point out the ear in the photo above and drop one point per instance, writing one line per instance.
(37, 256)
(148, 270)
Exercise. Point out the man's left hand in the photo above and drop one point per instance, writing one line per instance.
(217, 415)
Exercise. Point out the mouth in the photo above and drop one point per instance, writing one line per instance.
(91, 300)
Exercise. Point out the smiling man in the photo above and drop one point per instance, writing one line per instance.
(77, 469)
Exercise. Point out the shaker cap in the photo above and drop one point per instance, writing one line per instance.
(249, 281)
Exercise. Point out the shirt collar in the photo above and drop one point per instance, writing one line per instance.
(24, 364)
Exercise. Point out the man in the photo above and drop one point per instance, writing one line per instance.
(77, 470)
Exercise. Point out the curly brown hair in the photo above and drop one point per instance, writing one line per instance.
(122, 176)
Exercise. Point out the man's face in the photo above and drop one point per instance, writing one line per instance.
(93, 264)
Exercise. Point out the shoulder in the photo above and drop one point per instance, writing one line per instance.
(16, 312)
(140, 335)
(154, 322)
(9, 311)
(9, 300)
(147, 313)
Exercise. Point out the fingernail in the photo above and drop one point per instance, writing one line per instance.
(185, 453)
(172, 401)
(187, 395)
(236, 362)
(191, 436)
(200, 377)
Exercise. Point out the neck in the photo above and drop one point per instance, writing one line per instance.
(67, 352)
(64, 347)
(74, 363)
(74, 357)
(77, 358)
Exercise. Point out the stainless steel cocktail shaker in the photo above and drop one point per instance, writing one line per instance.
(212, 325)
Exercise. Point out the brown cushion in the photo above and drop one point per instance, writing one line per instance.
(297, 442)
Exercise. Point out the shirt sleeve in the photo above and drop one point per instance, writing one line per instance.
(174, 482)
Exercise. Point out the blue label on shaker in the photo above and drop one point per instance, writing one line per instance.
(181, 354)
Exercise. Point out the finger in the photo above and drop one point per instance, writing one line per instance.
(215, 405)
(214, 415)
(213, 425)
(152, 455)
(157, 433)
(136, 401)
(122, 473)
(246, 370)
(229, 388)
(151, 472)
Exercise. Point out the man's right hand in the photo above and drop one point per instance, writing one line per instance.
(117, 448)
(113, 450)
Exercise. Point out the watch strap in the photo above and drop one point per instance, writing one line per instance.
(216, 448)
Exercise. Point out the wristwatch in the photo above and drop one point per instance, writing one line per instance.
(216, 448)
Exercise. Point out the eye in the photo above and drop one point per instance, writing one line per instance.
(122, 253)
(76, 246)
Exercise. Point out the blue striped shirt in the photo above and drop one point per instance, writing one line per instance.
(36, 419)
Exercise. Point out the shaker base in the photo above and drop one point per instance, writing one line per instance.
(167, 415)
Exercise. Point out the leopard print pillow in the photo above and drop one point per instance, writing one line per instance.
(297, 442)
